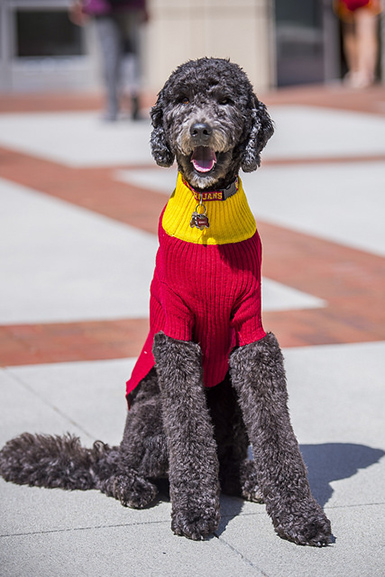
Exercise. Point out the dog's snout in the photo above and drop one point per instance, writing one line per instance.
(201, 132)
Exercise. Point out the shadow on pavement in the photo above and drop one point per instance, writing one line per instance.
(334, 461)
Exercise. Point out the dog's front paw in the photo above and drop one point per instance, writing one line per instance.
(131, 491)
(304, 523)
(195, 524)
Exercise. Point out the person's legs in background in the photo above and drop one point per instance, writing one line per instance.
(110, 39)
(367, 46)
(360, 42)
(131, 73)
(350, 49)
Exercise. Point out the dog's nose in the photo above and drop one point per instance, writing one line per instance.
(201, 132)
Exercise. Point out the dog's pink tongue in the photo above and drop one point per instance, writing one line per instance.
(203, 158)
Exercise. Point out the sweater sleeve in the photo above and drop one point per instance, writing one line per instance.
(247, 319)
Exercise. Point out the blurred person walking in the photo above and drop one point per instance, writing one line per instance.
(360, 39)
(117, 24)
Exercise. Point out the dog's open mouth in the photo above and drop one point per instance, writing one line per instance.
(203, 158)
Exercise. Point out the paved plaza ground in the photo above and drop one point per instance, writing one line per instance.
(80, 201)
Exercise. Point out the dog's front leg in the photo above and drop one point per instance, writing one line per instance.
(193, 461)
(258, 375)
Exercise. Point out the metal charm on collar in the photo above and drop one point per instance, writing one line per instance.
(199, 219)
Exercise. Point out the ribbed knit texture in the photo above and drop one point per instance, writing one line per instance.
(231, 220)
(206, 293)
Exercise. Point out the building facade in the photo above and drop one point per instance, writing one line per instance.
(277, 42)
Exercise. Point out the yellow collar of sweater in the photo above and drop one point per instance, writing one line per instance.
(230, 220)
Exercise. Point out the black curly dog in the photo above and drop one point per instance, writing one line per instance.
(197, 437)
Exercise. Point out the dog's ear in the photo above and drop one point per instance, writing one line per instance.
(160, 148)
(261, 130)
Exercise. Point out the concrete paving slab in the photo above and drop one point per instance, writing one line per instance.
(337, 399)
(31, 510)
(338, 202)
(89, 394)
(78, 520)
(23, 410)
(311, 132)
(345, 474)
(162, 180)
(355, 553)
(79, 265)
(279, 297)
(330, 387)
(77, 139)
(55, 531)
(76, 264)
(337, 393)
(149, 551)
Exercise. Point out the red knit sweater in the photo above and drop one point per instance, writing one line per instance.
(206, 293)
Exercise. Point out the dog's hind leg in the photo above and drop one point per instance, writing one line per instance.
(258, 376)
(250, 490)
(116, 478)
(143, 450)
(129, 488)
(193, 461)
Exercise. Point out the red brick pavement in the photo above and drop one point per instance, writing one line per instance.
(350, 281)
(371, 100)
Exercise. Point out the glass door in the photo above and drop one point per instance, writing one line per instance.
(307, 46)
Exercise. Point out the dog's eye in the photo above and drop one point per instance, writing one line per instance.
(224, 100)
(184, 100)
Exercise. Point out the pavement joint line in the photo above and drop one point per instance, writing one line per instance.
(24, 384)
(160, 522)
(88, 528)
(354, 505)
(308, 160)
(329, 507)
(242, 557)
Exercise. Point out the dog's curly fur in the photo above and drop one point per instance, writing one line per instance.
(218, 93)
(175, 428)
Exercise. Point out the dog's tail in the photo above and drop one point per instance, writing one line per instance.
(54, 461)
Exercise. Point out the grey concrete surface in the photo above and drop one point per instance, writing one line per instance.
(336, 401)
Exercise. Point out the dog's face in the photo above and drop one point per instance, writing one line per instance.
(209, 119)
